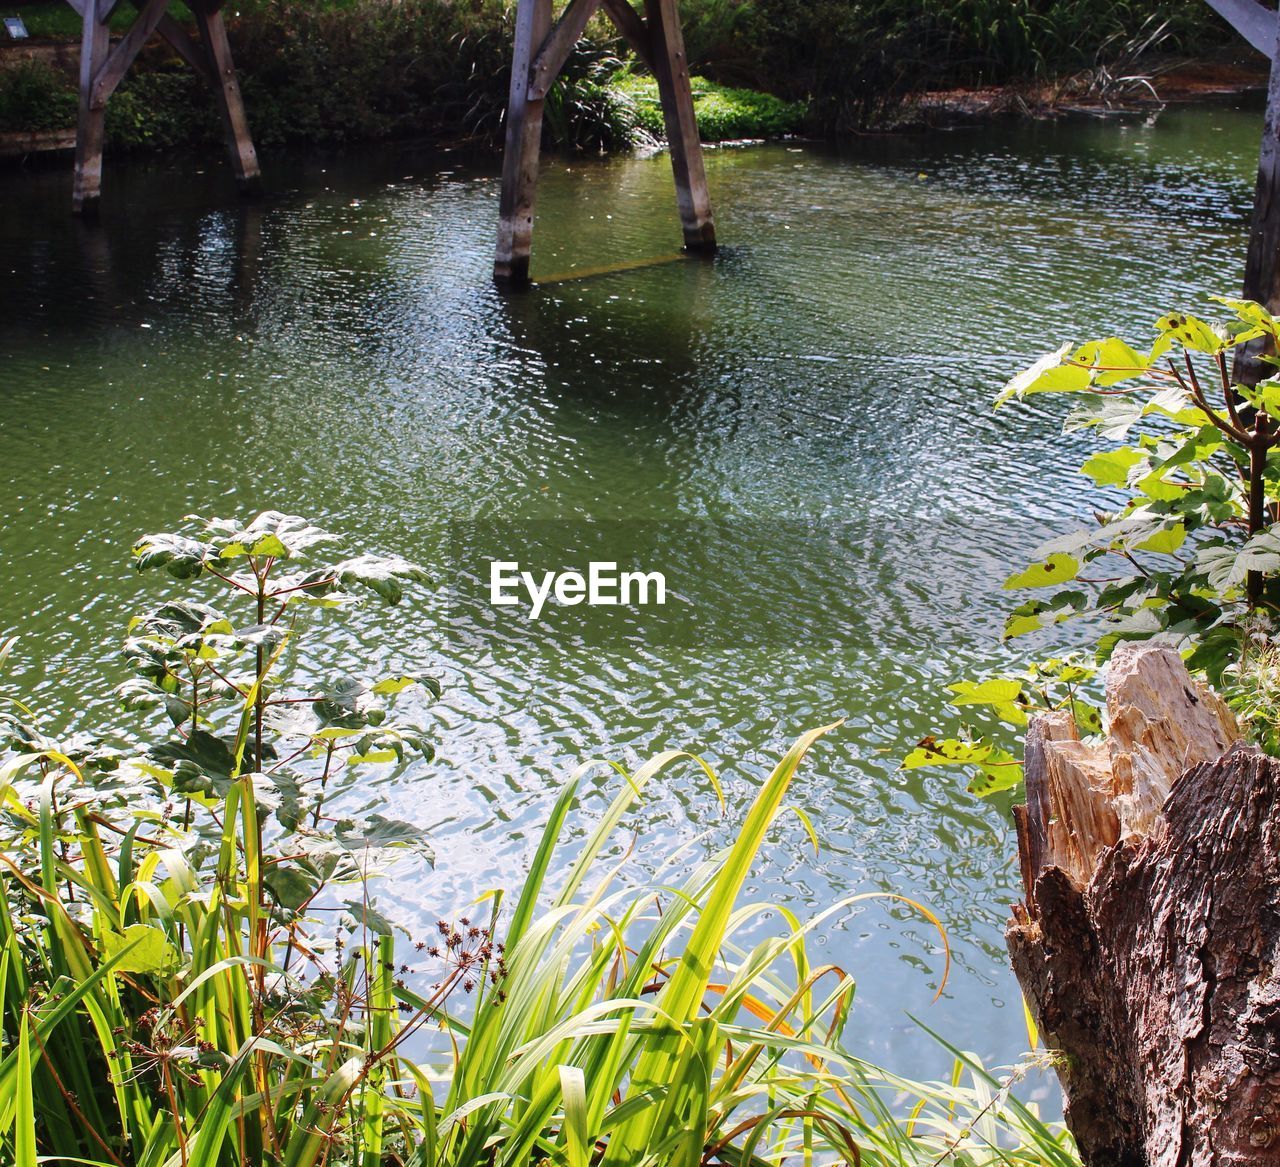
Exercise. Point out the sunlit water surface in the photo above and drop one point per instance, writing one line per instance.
(337, 350)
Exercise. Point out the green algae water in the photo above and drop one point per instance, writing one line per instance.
(818, 396)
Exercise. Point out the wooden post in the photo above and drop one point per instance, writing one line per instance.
(520, 156)
(95, 41)
(671, 69)
(1262, 262)
(226, 89)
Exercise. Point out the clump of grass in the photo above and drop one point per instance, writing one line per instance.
(175, 991)
(723, 113)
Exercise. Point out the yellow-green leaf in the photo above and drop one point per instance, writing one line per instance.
(1165, 541)
(1056, 569)
(998, 693)
(154, 953)
(1112, 467)
(1112, 359)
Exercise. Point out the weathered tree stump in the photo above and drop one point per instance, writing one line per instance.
(1148, 945)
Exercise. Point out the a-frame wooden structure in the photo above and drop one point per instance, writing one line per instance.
(103, 67)
(541, 49)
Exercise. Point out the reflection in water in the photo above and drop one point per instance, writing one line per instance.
(820, 391)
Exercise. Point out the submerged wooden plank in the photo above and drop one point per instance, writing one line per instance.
(608, 269)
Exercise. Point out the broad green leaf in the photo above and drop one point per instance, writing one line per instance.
(1112, 467)
(180, 556)
(1048, 375)
(150, 951)
(1036, 614)
(272, 533)
(367, 916)
(998, 693)
(1113, 360)
(292, 884)
(1165, 541)
(1156, 487)
(211, 756)
(384, 575)
(1088, 717)
(1190, 332)
(993, 779)
(1229, 566)
(1112, 417)
(997, 768)
(376, 832)
(1057, 568)
(952, 752)
(1265, 395)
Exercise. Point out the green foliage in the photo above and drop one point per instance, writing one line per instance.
(723, 114)
(163, 970)
(854, 63)
(368, 69)
(348, 70)
(55, 19)
(161, 108)
(35, 97)
(587, 109)
(193, 972)
(1190, 552)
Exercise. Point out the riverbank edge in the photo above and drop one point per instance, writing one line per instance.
(1163, 82)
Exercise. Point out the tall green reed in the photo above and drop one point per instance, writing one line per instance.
(172, 997)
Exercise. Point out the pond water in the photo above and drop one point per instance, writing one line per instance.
(818, 396)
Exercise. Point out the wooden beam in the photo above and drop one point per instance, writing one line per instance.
(558, 45)
(520, 156)
(95, 41)
(186, 46)
(1253, 21)
(628, 22)
(671, 69)
(126, 52)
(1262, 262)
(226, 89)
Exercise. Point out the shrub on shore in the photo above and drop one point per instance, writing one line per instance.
(724, 113)
(368, 69)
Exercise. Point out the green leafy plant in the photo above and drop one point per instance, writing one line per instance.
(193, 972)
(1189, 553)
(34, 97)
(723, 113)
(585, 110)
(161, 978)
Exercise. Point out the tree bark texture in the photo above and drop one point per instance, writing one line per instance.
(1148, 945)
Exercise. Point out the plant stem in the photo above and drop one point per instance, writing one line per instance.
(1259, 445)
